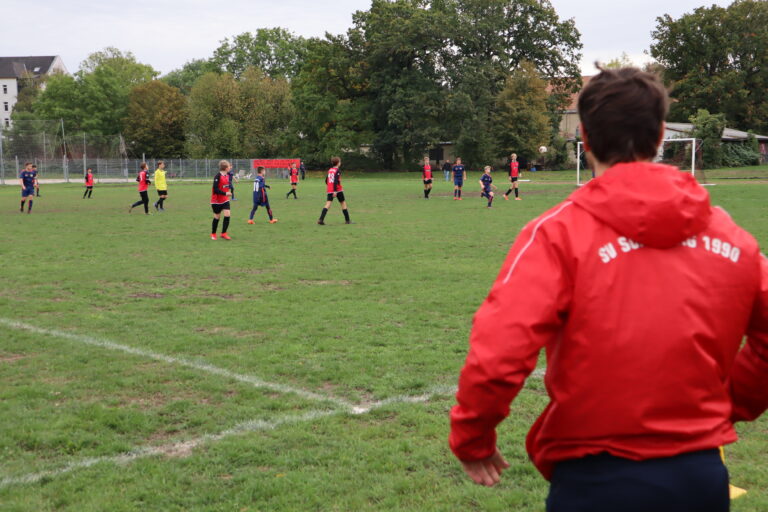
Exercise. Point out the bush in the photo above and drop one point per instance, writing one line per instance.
(740, 154)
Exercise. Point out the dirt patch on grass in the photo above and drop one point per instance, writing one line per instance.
(228, 331)
(11, 358)
(145, 295)
(319, 282)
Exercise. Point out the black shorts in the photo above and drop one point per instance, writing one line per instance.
(89, 188)
(162, 192)
(427, 182)
(512, 180)
(339, 196)
(218, 208)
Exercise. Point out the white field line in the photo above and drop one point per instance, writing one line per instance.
(184, 448)
(180, 361)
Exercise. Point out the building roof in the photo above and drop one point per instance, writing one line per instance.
(17, 67)
(728, 133)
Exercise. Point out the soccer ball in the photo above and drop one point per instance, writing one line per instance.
(543, 149)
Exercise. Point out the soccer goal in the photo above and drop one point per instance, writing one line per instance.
(678, 152)
(276, 168)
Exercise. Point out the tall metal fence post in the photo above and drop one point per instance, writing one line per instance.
(17, 165)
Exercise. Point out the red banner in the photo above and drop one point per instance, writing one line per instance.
(269, 163)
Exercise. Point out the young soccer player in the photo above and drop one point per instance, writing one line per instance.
(161, 186)
(625, 284)
(334, 190)
(88, 183)
(486, 185)
(294, 181)
(459, 175)
(232, 178)
(426, 176)
(220, 195)
(27, 180)
(37, 182)
(514, 174)
(260, 197)
(303, 171)
(143, 180)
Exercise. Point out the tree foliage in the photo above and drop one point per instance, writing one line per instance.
(520, 122)
(275, 51)
(717, 58)
(155, 121)
(709, 129)
(185, 77)
(95, 99)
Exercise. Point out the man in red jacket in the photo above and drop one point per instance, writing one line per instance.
(641, 292)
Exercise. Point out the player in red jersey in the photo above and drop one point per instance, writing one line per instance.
(220, 195)
(426, 176)
(143, 179)
(294, 181)
(88, 183)
(334, 189)
(514, 175)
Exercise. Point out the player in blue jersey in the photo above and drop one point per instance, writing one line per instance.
(27, 180)
(486, 185)
(232, 179)
(459, 175)
(260, 196)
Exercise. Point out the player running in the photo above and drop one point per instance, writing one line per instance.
(334, 189)
(27, 180)
(88, 183)
(294, 181)
(486, 184)
(220, 194)
(260, 195)
(143, 179)
(426, 175)
(514, 175)
(161, 186)
(459, 175)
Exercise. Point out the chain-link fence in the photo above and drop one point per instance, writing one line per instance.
(62, 156)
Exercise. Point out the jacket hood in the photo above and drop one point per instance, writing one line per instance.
(653, 204)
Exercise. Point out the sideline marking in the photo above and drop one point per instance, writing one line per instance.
(195, 365)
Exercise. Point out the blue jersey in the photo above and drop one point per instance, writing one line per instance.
(231, 180)
(458, 172)
(487, 180)
(259, 190)
(258, 183)
(28, 178)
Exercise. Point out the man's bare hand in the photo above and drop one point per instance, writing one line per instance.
(486, 472)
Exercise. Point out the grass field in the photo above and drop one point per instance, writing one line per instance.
(297, 367)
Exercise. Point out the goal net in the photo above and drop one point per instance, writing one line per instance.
(275, 168)
(682, 153)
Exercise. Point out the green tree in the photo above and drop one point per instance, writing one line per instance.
(622, 61)
(95, 99)
(276, 51)
(155, 121)
(709, 129)
(213, 117)
(266, 113)
(521, 123)
(185, 77)
(717, 58)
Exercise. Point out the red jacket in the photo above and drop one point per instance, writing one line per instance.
(641, 293)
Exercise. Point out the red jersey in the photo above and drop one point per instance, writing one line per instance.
(294, 175)
(89, 180)
(514, 169)
(333, 181)
(219, 189)
(143, 180)
(427, 172)
(642, 311)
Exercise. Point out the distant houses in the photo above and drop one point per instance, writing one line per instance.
(15, 69)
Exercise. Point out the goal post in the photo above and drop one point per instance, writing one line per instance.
(678, 152)
(277, 168)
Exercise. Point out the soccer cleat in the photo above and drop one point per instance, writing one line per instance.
(213, 236)
(225, 236)
(130, 209)
(157, 207)
(348, 222)
(518, 199)
(506, 197)
(321, 222)
(250, 221)
(273, 221)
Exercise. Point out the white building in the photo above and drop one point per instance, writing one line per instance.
(13, 69)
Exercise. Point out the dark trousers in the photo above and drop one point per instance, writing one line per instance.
(144, 200)
(691, 482)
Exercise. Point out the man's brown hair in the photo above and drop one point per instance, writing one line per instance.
(621, 112)
(335, 161)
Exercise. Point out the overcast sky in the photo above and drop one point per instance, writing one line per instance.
(168, 33)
